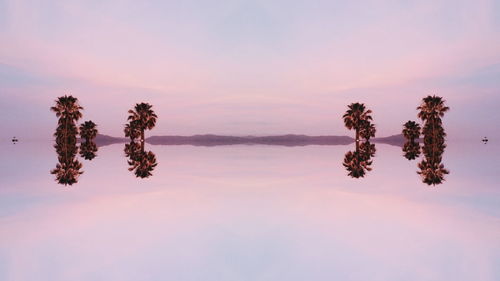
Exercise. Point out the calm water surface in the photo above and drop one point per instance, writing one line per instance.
(249, 213)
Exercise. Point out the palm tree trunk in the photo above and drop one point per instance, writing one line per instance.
(142, 140)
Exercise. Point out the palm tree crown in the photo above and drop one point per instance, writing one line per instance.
(411, 130)
(432, 108)
(67, 109)
(88, 130)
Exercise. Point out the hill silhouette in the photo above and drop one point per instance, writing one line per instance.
(215, 140)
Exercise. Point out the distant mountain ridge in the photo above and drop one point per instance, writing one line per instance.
(286, 140)
(215, 140)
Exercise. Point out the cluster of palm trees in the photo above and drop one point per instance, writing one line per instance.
(359, 118)
(68, 169)
(431, 110)
(141, 118)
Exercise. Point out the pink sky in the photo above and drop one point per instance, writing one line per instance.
(240, 67)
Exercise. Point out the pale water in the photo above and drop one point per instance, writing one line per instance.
(249, 213)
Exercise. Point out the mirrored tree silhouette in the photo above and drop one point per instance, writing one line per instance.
(411, 132)
(411, 150)
(141, 118)
(68, 168)
(88, 148)
(359, 118)
(431, 170)
(141, 162)
(358, 162)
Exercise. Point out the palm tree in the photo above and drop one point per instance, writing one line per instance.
(68, 111)
(411, 130)
(132, 130)
(355, 117)
(88, 130)
(144, 116)
(367, 129)
(67, 107)
(432, 108)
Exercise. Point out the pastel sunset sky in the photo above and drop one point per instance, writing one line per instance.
(257, 67)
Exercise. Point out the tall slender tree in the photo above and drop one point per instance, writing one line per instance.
(68, 110)
(431, 110)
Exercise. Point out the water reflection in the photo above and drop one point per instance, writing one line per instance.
(432, 170)
(141, 162)
(358, 162)
(67, 170)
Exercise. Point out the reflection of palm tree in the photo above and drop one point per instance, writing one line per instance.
(144, 118)
(432, 171)
(357, 163)
(354, 117)
(411, 150)
(88, 150)
(67, 170)
(141, 162)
